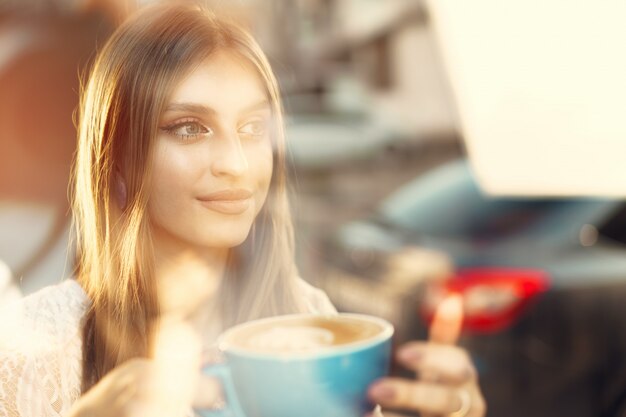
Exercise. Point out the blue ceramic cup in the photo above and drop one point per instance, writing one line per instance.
(302, 366)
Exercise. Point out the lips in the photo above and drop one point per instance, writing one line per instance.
(230, 201)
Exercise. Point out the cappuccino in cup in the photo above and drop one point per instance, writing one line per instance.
(302, 334)
(302, 365)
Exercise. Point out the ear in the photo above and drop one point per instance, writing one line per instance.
(121, 193)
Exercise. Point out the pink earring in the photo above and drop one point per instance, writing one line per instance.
(120, 191)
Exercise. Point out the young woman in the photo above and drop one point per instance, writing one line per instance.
(181, 213)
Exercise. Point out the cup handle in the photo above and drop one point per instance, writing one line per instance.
(232, 407)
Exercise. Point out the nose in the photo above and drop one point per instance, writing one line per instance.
(230, 159)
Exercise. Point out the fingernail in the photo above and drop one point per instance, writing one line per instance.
(469, 373)
(410, 355)
(382, 392)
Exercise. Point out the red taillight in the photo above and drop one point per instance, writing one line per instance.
(493, 298)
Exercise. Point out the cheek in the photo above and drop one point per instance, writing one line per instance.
(173, 174)
(261, 162)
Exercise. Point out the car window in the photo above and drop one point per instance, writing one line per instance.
(447, 202)
(615, 227)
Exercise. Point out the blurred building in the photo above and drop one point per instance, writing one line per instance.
(365, 54)
(45, 47)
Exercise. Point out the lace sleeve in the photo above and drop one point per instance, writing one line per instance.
(21, 391)
(40, 355)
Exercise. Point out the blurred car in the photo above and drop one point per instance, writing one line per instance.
(543, 281)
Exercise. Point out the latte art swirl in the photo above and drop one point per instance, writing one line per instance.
(301, 334)
(294, 338)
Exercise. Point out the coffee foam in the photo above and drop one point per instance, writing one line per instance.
(302, 334)
(295, 338)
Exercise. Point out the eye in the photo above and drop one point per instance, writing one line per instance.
(188, 130)
(255, 128)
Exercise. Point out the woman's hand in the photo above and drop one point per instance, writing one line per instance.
(127, 391)
(446, 383)
(164, 386)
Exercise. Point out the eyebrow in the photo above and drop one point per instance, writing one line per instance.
(202, 109)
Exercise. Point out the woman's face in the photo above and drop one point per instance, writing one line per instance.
(213, 158)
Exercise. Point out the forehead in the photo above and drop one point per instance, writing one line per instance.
(224, 82)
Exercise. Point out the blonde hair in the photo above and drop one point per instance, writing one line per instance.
(120, 107)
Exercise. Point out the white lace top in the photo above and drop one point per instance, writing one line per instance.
(41, 348)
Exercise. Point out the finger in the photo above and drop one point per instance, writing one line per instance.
(211, 356)
(209, 394)
(444, 364)
(177, 353)
(124, 381)
(376, 412)
(447, 321)
(386, 414)
(418, 396)
(143, 409)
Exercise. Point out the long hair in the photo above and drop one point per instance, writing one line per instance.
(121, 104)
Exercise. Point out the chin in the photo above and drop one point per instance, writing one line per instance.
(228, 239)
(231, 243)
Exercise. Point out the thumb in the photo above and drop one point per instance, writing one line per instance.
(209, 394)
(176, 358)
(446, 325)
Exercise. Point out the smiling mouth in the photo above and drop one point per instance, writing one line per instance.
(228, 201)
(238, 206)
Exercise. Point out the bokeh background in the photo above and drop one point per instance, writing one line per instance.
(388, 211)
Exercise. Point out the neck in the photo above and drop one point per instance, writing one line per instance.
(188, 279)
